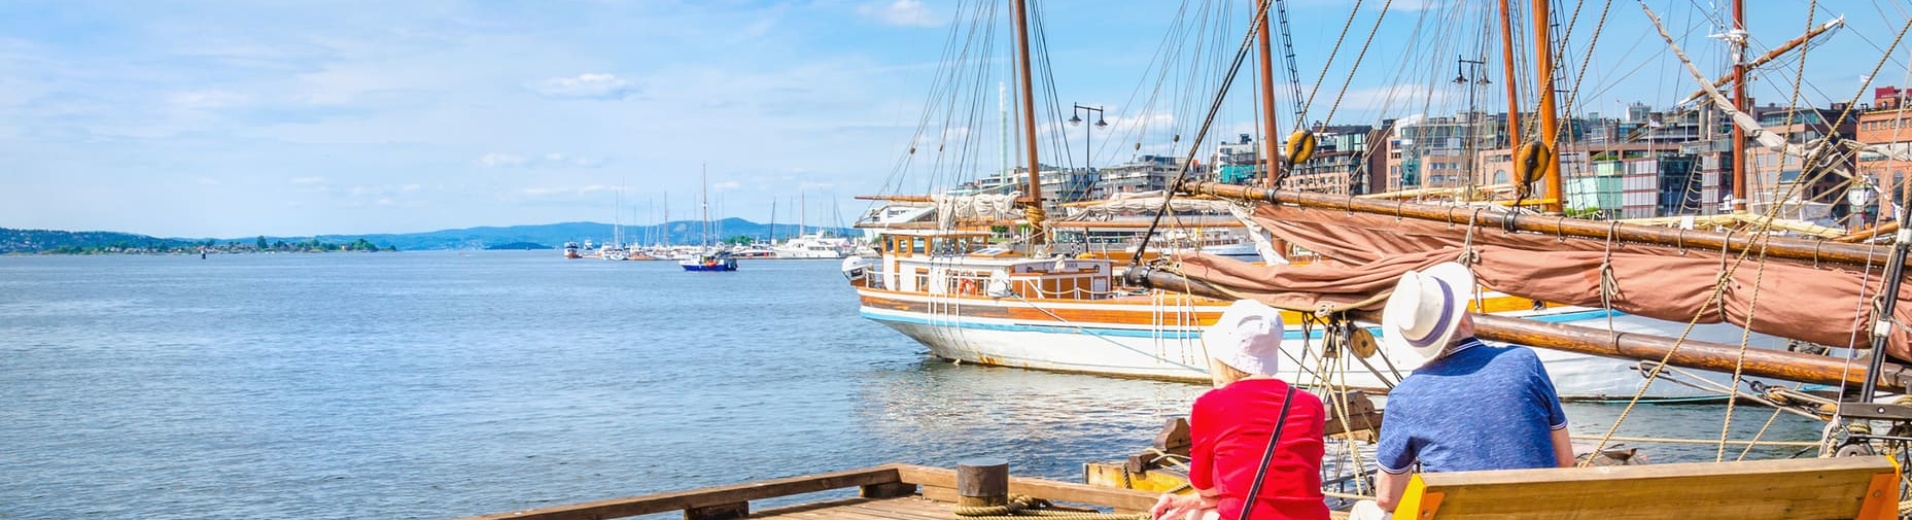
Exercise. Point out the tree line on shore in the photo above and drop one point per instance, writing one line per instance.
(95, 243)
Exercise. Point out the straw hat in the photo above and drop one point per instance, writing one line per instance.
(1425, 308)
(1247, 337)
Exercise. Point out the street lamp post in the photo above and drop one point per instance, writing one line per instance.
(1462, 78)
(1075, 118)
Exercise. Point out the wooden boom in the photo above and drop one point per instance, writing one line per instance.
(1858, 255)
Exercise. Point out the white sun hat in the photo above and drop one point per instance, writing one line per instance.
(1247, 337)
(1425, 309)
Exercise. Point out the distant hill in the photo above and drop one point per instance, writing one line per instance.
(555, 235)
(548, 235)
(41, 240)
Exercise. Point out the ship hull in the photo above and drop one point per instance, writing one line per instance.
(1153, 341)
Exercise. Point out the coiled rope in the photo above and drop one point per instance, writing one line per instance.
(1021, 507)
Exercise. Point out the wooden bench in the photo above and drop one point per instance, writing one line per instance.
(1844, 487)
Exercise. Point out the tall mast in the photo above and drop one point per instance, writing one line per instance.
(1037, 235)
(667, 219)
(1270, 152)
(1738, 40)
(1002, 118)
(1549, 123)
(704, 203)
(1513, 87)
(773, 220)
(803, 217)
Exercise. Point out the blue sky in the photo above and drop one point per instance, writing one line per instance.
(290, 117)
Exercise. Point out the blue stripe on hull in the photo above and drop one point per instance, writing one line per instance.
(699, 268)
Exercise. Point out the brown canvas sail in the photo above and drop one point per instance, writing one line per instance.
(1365, 253)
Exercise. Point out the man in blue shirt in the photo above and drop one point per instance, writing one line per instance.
(1471, 406)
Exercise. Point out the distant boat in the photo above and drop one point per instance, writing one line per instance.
(815, 245)
(753, 251)
(571, 251)
(710, 258)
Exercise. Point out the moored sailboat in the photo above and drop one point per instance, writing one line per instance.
(713, 258)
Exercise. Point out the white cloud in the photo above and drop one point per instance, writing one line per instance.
(566, 191)
(908, 13)
(726, 186)
(546, 160)
(496, 160)
(588, 86)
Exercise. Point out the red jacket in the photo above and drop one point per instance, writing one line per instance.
(1230, 427)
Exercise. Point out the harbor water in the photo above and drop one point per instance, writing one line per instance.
(442, 384)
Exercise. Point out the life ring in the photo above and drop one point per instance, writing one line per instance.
(966, 286)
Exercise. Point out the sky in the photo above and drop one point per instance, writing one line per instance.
(200, 118)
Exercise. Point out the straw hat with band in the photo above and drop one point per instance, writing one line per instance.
(1247, 337)
(1426, 308)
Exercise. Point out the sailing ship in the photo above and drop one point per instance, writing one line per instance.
(971, 297)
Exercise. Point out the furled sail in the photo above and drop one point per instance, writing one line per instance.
(1363, 254)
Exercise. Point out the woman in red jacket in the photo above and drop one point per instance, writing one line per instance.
(1231, 426)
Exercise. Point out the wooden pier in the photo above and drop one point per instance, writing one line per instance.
(1865, 488)
(887, 492)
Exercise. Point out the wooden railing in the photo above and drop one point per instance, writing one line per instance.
(886, 481)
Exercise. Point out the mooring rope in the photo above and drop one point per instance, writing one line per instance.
(1022, 507)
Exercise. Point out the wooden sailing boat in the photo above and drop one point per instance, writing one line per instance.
(1019, 305)
(970, 300)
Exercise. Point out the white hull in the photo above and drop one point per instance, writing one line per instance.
(1177, 353)
(806, 253)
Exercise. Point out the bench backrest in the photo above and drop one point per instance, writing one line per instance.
(1844, 487)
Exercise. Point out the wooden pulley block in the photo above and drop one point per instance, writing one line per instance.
(1361, 342)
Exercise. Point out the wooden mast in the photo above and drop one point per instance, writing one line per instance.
(1271, 149)
(1271, 153)
(1549, 122)
(1513, 87)
(1738, 40)
(1037, 235)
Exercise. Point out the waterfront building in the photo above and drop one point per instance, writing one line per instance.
(1238, 162)
(1144, 174)
(1886, 125)
(1773, 177)
(1342, 162)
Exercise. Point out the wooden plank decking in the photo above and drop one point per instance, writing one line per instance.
(901, 508)
(887, 492)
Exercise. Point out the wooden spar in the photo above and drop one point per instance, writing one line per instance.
(1857, 255)
(1886, 228)
(1513, 87)
(1774, 54)
(1549, 121)
(1738, 36)
(1029, 121)
(1270, 152)
(897, 198)
(1790, 366)
(1129, 224)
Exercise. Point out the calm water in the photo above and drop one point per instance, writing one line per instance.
(432, 385)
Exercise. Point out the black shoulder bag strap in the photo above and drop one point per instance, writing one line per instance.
(1254, 491)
